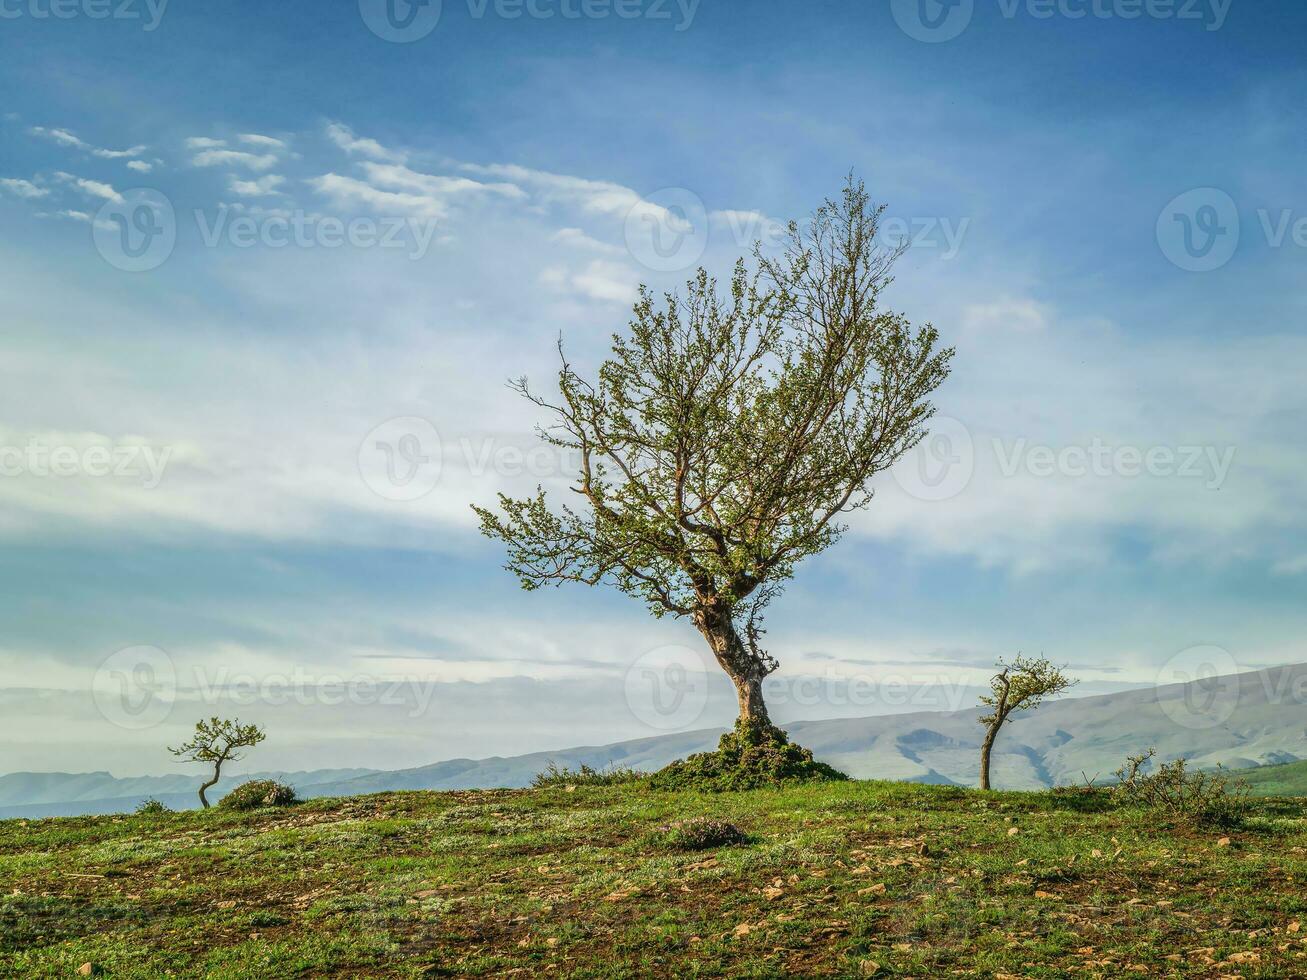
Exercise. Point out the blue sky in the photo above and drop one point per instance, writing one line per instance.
(1045, 164)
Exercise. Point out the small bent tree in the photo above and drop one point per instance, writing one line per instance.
(1020, 685)
(725, 436)
(215, 742)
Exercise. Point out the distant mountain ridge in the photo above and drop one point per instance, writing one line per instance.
(1252, 721)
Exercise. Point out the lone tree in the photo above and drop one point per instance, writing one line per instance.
(1020, 685)
(726, 434)
(217, 741)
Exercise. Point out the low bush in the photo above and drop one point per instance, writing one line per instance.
(750, 756)
(1204, 798)
(152, 808)
(555, 775)
(699, 834)
(259, 793)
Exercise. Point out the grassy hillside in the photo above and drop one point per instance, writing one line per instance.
(1289, 779)
(852, 879)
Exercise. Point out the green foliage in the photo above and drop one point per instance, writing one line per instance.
(698, 834)
(1022, 685)
(218, 739)
(259, 793)
(751, 756)
(1177, 792)
(152, 807)
(726, 436)
(583, 775)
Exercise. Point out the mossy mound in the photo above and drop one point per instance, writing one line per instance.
(699, 834)
(259, 793)
(752, 756)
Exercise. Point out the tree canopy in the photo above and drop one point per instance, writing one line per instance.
(728, 433)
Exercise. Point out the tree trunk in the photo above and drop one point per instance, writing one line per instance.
(217, 774)
(742, 667)
(985, 748)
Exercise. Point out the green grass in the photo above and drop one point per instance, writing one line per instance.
(851, 879)
(1289, 779)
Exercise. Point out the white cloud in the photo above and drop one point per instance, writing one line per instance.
(255, 139)
(602, 280)
(204, 143)
(1020, 315)
(1291, 566)
(64, 138)
(396, 190)
(351, 192)
(576, 238)
(93, 188)
(222, 158)
(398, 177)
(344, 138)
(22, 188)
(594, 196)
(140, 166)
(261, 187)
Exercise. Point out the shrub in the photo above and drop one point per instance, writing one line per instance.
(152, 808)
(748, 757)
(259, 793)
(1205, 798)
(555, 775)
(698, 834)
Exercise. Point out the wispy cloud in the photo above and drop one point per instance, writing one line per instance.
(234, 158)
(22, 188)
(344, 138)
(93, 188)
(256, 139)
(65, 138)
(260, 187)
